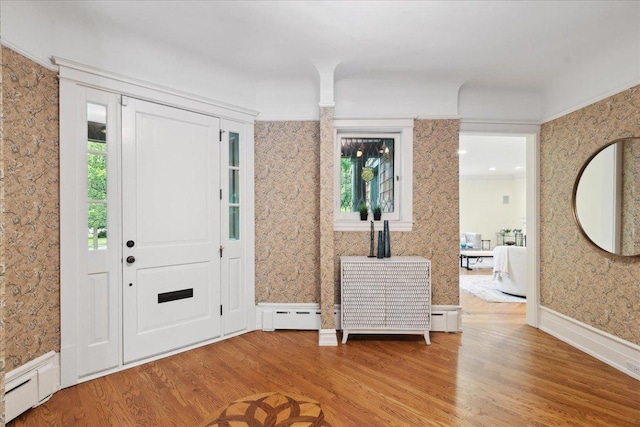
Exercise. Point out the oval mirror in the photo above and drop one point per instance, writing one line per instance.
(606, 198)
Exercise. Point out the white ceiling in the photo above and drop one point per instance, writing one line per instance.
(490, 157)
(554, 53)
(522, 44)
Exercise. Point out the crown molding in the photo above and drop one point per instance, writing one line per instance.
(68, 65)
(506, 177)
(39, 61)
(591, 101)
(438, 117)
(276, 118)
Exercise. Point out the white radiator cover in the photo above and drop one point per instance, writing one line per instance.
(306, 316)
(297, 316)
(31, 384)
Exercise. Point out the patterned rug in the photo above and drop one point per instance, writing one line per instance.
(271, 410)
(484, 288)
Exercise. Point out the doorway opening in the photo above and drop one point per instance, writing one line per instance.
(494, 209)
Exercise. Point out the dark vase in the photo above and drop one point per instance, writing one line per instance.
(364, 216)
(387, 242)
(380, 244)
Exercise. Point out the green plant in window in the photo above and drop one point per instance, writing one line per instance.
(377, 212)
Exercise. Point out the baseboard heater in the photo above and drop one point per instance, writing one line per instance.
(31, 384)
(274, 316)
(303, 316)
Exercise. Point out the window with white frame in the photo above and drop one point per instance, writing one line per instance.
(373, 168)
(367, 173)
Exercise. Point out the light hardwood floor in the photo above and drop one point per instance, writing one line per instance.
(498, 372)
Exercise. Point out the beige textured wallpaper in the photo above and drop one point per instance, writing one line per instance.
(327, 242)
(631, 196)
(286, 211)
(577, 279)
(30, 215)
(287, 227)
(2, 244)
(435, 211)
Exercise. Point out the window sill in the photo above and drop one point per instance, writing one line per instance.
(349, 225)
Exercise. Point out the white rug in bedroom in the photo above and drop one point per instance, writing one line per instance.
(482, 286)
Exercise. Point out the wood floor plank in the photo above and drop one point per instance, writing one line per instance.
(497, 372)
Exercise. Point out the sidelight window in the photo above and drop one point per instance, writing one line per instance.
(97, 176)
(234, 186)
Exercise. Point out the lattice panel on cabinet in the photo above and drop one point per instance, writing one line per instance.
(363, 297)
(408, 296)
(386, 294)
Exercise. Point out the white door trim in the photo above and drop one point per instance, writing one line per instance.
(532, 134)
(113, 82)
(73, 79)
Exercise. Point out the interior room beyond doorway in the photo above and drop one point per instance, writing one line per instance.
(493, 206)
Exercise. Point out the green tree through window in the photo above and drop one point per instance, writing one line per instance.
(97, 186)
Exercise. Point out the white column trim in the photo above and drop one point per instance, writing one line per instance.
(327, 83)
(327, 338)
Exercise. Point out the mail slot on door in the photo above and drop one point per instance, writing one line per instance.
(175, 295)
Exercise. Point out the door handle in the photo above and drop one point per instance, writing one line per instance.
(131, 259)
(130, 243)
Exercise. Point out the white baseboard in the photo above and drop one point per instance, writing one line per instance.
(306, 316)
(613, 351)
(31, 384)
(446, 318)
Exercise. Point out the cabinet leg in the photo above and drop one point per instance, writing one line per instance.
(345, 335)
(426, 338)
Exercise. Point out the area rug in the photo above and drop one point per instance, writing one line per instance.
(483, 287)
(271, 410)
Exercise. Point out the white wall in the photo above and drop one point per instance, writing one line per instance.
(288, 99)
(41, 30)
(393, 98)
(482, 209)
(519, 203)
(490, 104)
(607, 72)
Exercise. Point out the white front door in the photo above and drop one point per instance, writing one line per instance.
(171, 228)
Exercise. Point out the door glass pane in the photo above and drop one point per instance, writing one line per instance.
(97, 175)
(97, 225)
(234, 149)
(97, 146)
(366, 174)
(234, 186)
(234, 222)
